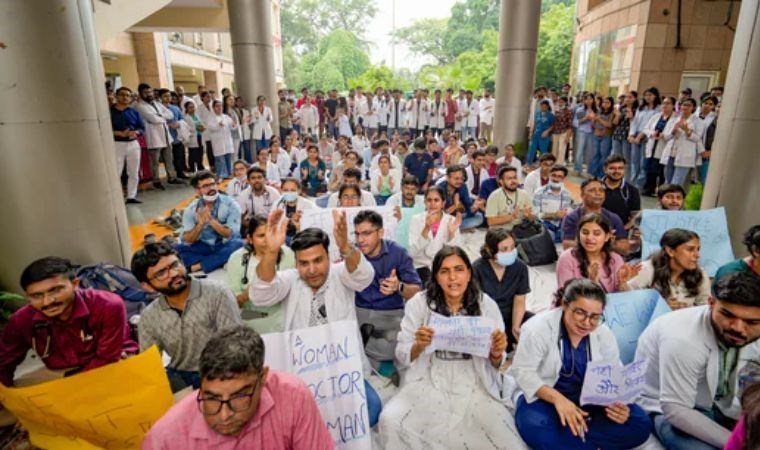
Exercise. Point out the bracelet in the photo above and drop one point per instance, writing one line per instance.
(345, 255)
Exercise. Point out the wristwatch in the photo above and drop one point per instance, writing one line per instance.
(400, 287)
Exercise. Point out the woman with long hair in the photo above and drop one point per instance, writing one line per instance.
(656, 142)
(448, 399)
(549, 369)
(383, 182)
(241, 268)
(245, 129)
(429, 231)
(583, 122)
(228, 108)
(681, 153)
(593, 257)
(313, 171)
(195, 141)
(674, 271)
(650, 106)
(602, 124)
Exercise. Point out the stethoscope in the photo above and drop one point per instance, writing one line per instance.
(572, 357)
(623, 191)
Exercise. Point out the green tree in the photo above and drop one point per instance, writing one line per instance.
(337, 58)
(555, 44)
(426, 37)
(468, 20)
(305, 22)
(380, 76)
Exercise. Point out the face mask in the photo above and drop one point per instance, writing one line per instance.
(506, 258)
(211, 198)
(555, 185)
(241, 178)
(290, 196)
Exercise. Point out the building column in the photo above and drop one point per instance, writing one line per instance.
(150, 56)
(61, 195)
(732, 180)
(212, 79)
(253, 52)
(515, 69)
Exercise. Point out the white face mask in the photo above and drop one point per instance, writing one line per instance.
(211, 198)
(506, 258)
(555, 185)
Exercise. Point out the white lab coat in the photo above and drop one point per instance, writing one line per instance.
(155, 115)
(471, 111)
(282, 161)
(423, 249)
(381, 108)
(516, 163)
(262, 123)
(461, 115)
(273, 173)
(655, 147)
(392, 116)
(470, 175)
(245, 123)
(684, 149)
(538, 360)
(309, 118)
(375, 175)
(206, 114)
(486, 108)
(220, 129)
(438, 113)
(396, 200)
(418, 113)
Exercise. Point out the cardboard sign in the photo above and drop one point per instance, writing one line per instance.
(627, 314)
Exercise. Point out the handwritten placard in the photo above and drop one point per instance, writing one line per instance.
(111, 407)
(328, 359)
(322, 218)
(627, 314)
(464, 334)
(709, 224)
(608, 383)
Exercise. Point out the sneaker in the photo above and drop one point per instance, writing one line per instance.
(133, 201)
(159, 186)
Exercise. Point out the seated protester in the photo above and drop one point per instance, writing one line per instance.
(552, 202)
(297, 154)
(408, 197)
(620, 197)
(508, 206)
(671, 196)
(592, 257)
(384, 182)
(350, 161)
(317, 291)
(313, 172)
(549, 368)
(504, 278)
(341, 147)
(458, 200)
(240, 180)
(184, 317)
(352, 177)
(745, 434)
(488, 186)
(270, 169)
(491, 165)
(476, 173)
(384, 148)
(470, 149)
(293, 204)
(265, 409)
(750, 263)
(510, 159)
(70, 329)
(448, 399)
(674, 271)
(592, 198)
(429, 231)
(453, 152)
(380, 306)
(279, 157)
(401, 151)
(539, 178)
(240, 269)
(420, 164)
(210, 226)
(695, 356)
(258, 199)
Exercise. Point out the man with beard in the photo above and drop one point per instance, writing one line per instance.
(257, 199)
(156, 117)
(408, 197)
(458, 199)
(508, 206)
(697, 357)
(70, 329)
(620, 197)
(592, 197)
(210, 226)
(185, 316)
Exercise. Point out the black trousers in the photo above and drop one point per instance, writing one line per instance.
(210, 155)
(178, 156)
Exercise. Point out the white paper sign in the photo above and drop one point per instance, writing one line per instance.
(464, 334)
(328, 359)
(608, 383)
(322, 218)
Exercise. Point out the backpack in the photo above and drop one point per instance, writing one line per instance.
(120, 281)
(538, 249)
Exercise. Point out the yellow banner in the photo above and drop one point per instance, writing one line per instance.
(111, 407)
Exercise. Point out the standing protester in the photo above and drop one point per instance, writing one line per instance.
(127, 125)
(178, 148)
(157, 138)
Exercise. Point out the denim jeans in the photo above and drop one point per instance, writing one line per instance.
(675, 174)
(703, 171)
(210, 257)
(472, 220)
(261, 143)
(223, 165)
(637, 173)
(600, 151)
(674, 439)
(245, 149)
(582, 149)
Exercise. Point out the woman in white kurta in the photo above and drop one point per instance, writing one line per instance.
(262, 123)
(681, 154)
(220, 128)
(431, 230)
(448, 399)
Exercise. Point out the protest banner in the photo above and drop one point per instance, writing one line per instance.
(111, 407)
(402, 230)
(464, 334)
(322, 218)
(709, 224)
(608, 383)
(627, 314)
(328, 359)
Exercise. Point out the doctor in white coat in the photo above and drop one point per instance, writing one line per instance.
(157, 138)
(470, 112)
(262, 123)
(438, 112)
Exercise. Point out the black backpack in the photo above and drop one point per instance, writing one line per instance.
(537, 249)
(120, 281)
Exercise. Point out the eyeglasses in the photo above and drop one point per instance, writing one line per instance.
(581, 316)
(207, 185)
(364, 234)
(52, 292)
(164, 273)
(237, 403)
(349, 197)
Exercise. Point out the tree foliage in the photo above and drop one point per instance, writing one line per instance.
(381, 76)
(426, 37)
(555, 45)
(337, 58)
(305, 22)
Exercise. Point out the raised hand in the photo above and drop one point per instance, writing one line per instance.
(277, 229)
(454, 225)
(627, 272)
(340, 230)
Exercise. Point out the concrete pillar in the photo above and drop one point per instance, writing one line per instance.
(212, 79)
(515, 69)
(151, 61)
(253, 51)
(60, 192)
(732, 179)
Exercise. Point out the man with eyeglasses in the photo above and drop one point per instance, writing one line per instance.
(380, 306)
(127, 125)
(70, 329)
(241, 404)
(185, 316)
(210, 226)
(700, 359)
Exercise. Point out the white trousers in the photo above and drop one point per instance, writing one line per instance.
(128, 152)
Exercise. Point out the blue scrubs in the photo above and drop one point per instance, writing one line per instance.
(542, 121)
(539, 424)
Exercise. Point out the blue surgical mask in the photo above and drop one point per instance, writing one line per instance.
(506, 258)
(290, 196)
(555, 185)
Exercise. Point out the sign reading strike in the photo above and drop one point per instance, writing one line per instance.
(605, 384)
(328, 359)
(464, 334)
(111, 407)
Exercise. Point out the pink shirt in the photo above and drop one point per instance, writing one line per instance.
(568, 268)
(287, 418)
(738, 437)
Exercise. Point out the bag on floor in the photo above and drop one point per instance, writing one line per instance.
(527, 229)
(538, 249)
(120, 281)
